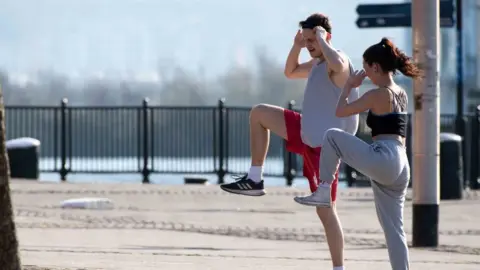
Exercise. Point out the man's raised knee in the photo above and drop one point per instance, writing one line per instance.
(270, 117)
(257, 110)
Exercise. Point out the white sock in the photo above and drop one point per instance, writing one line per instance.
(256, 173)
(338, 268)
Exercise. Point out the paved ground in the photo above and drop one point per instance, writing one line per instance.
(200, 227)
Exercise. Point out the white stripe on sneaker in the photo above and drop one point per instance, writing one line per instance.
(244, 186)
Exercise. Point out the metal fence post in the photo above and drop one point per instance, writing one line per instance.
(289, 164)
(145, 170)
(63, 139)
(221, 141)
(475, 148)
(464, 147)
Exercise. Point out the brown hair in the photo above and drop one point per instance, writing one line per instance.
(314, 20)
(390, 58)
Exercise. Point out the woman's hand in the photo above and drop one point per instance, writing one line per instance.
(356, 79)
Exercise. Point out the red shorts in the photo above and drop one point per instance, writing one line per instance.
(311, 156)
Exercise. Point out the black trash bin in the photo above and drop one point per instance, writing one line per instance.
(23, 156)
(451, 167)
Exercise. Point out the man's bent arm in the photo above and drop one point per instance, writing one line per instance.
(336, 60)
(294, 70)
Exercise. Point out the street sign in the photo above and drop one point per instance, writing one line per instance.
(398, 15)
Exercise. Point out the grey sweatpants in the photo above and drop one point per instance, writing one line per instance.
(385, 162)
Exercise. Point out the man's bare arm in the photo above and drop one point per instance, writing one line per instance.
(335, 59)
(337, 62)
(294, 70)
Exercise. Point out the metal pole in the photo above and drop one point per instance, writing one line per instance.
(63, 139)
(221, 140)
(426, 123)
(477, 58)
(460, 123)
(145, 170)
(460, 98)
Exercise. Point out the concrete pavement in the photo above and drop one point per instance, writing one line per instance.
(201, 227)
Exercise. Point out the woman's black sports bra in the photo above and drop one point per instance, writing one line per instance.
(394, 123)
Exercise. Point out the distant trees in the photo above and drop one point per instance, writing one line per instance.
(241, 86)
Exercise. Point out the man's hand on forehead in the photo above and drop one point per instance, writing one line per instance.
(321, 33)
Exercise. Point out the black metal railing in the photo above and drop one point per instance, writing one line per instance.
(176, 140)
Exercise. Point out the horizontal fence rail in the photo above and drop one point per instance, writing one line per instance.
(178, 140)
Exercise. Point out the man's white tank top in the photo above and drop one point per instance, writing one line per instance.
(319, 105)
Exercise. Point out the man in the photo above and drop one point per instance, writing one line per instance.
(327, 72)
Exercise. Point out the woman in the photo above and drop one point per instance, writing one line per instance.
(385, 160)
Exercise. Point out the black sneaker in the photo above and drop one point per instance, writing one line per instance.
(245, 186)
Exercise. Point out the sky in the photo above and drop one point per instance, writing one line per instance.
(135, 38)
